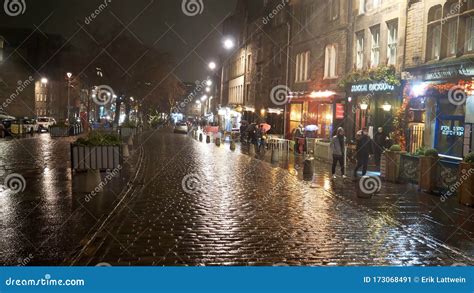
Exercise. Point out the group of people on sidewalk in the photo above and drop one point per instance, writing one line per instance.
(365, 147)
(254, 134)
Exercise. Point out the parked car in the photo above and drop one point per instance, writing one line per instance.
(30, 125)
(44, 123)
(181, 127)
(5, 124)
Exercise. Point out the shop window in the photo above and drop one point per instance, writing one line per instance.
(450, 137)
(330, 62)
(392, 42)
(375, 46)
(296, 115)
(360, 50)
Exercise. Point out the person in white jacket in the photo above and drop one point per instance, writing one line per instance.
(338, 149)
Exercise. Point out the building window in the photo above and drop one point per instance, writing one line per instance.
(470, 34)
(249, 63)
(434, 33)
(276, 55)
(360, 50)
(302, 67)
(361, 6)
(330, 62)
(392, 42)
(259, 72)
(375, 46)
(333, 10)
(452, 37)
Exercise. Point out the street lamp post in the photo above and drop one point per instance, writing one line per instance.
(69, 75)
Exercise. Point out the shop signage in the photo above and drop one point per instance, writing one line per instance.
(452, 131)
(465, 70)
(339, 111)
(372, 87)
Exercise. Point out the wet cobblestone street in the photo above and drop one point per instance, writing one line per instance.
(197, 204)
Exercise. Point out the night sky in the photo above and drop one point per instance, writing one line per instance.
(194, 41)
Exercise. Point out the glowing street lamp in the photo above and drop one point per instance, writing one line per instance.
(208, 89)
(44, 80)
(364, 106)
(229, 44)
(212, 65)
(203, 98)
(209, 82)
(69, 75)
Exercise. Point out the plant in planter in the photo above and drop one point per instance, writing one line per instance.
(466, 178)
(97, 151)
(392, 164)
(128, 129)
(428, 170)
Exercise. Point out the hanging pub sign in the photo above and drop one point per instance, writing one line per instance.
(378, 87)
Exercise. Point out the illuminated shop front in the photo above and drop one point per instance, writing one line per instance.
(446, 103)
(315, 108)
(372, 105)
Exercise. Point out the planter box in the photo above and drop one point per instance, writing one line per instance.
(75, 129)
(56, 131)
(101, 158)
(392, 166)
(322, 150)
(466, 190)
(126, 132)
(409, 169)
(428, 171)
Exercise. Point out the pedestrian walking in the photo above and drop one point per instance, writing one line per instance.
(299, 135)
(338, 149)
(380, 140)
(363, 151)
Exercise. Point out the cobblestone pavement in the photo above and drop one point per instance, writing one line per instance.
(203, 205)
(45, 223)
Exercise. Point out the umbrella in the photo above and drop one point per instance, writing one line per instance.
(266, 126)
(311, 128)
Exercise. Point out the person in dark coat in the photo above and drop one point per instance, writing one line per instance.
(380, 140)
(363, 151)
(299, 133)
(338, 150)
(243, 133)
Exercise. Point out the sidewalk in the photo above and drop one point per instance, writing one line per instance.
(446, 222)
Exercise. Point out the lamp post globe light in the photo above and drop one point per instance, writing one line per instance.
(229, 44)
(69, 75)
(212, 65)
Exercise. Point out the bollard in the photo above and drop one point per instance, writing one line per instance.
(218, 142)
(308, 169)
(208, 139)
(232, 145)
(200, 137)
(125, 151)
